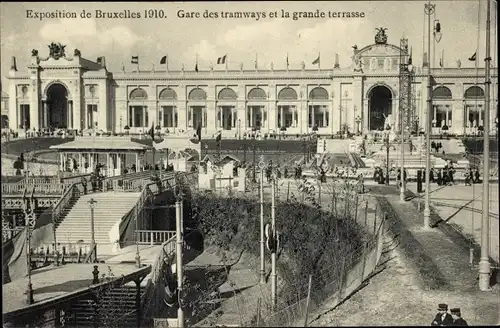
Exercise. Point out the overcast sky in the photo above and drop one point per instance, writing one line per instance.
(271, 38)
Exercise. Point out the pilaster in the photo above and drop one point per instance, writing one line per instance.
(357, 101)
(34, 99)
(458, 110)
(272, 114)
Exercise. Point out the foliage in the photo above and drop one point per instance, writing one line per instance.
(311, 238)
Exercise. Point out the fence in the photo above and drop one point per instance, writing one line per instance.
(331, 285)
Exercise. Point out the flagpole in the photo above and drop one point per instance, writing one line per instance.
(225, 62)
(256, 61)
(166, 62)
(442, 60)
(319, 61)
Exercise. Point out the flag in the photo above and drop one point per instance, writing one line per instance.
(123, 67)
(473, 57)
(163, 60)
(221, 60)
(410, 59)
(196, 67)
(218, 137)
(151, 131)
(441, 61)
(287, 63)
(135, 60)
(198, 132)
(316, 61)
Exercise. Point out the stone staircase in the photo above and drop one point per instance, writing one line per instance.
(117, 309)
(110, 207)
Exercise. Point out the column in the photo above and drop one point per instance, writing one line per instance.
(251, 123)
(281, 117)
(324, 117)
(144, 123)
(45, 114)
(119, 163)
(35, 103)
(108, 165)
(313, 112)
(61, 162)
(70, 114)
(137, 162)
(80, 161)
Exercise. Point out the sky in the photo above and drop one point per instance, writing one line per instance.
(242, 39)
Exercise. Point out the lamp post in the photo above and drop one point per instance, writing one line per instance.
(29, 216)
(179, 268)
(484, 262)
(273, 243)
(388, 147)
(93, 247)
(429, 9)
(254, 180)
(239, 129)
(262, 165)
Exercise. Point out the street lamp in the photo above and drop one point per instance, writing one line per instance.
(29, 216)
(254, 180)
(429, 9)
(387, 145)
(93, 246)
(262, 166)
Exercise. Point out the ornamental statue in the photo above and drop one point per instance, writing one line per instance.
(381, 37)
(77, 53)
(56, 50)
(34, 52)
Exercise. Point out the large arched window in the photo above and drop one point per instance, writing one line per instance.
(257, 94)
(256, 113)
(197, 94)
(441, 93)
(318, 93)
(287, 94)
(138, 94)
(167, 94)
(318, 114)
(227, 94)
(442, 107)
(474, 107)
(474, 92)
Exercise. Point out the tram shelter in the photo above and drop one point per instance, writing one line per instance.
(85, 152)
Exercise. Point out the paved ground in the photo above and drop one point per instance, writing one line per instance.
(51, 282)
(426, 269)
(461, 207)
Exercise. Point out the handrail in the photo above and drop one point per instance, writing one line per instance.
(153, 237)
(70, 194)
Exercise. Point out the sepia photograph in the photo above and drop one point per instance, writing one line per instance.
(249, 164)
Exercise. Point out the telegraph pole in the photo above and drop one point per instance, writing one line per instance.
(429, 9)
(262, 246)
(179, 269)
(484, 262)
(273, 250)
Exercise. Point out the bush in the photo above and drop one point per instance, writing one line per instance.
(311, 239)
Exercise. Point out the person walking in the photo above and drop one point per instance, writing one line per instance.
(457, 317)
(442, 318)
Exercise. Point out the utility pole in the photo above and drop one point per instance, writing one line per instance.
(484, 262)
(429, 9)
(93, 246)
(274, 248)
(179, 268)
(262, 242)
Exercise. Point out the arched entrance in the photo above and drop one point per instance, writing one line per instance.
(57, 106)
(380, 106)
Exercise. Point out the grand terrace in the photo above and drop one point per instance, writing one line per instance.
(69, 91)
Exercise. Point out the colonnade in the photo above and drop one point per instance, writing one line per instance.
(86, 162)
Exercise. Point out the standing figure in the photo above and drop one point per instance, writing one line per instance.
(442, 318)
(476, 176)
(457, 317)
(439, 177)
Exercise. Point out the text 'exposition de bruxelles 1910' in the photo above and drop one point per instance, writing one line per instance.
(159, 13)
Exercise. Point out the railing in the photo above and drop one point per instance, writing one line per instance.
(167, 252)
(45, 188)
(8, 234)
(72, 193)
(153, 237)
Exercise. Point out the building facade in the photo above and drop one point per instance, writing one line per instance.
(72, 92)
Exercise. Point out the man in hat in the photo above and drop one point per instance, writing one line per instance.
(443, 318)
(457, 317)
